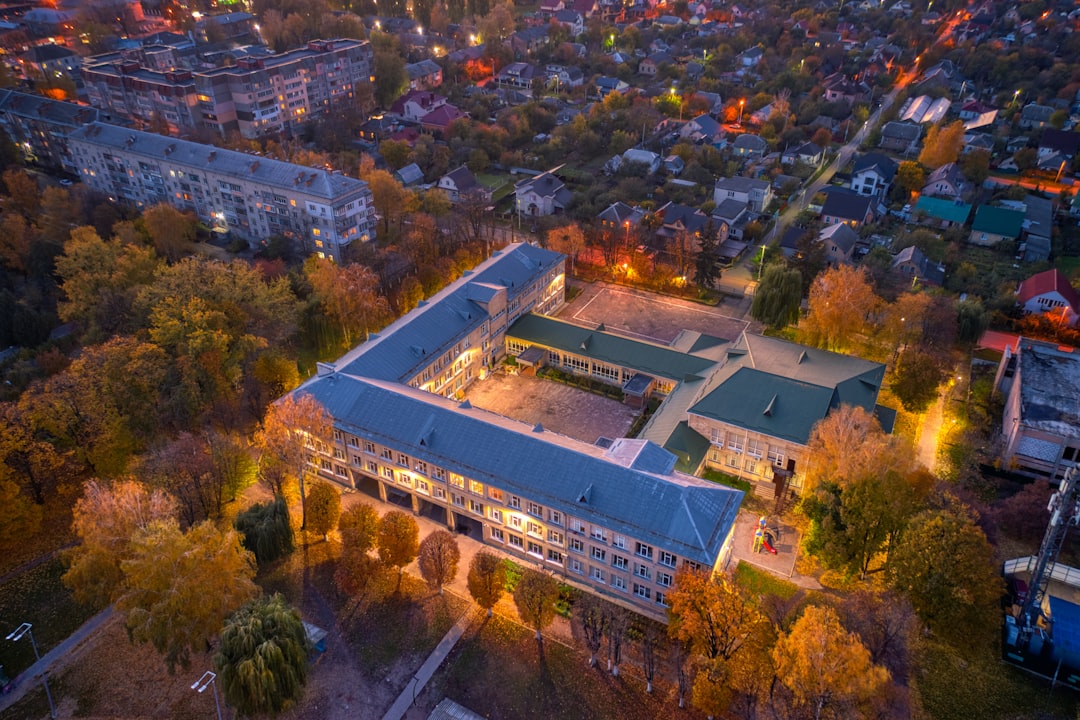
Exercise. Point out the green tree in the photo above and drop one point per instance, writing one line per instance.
(535, 595)
(827, 669)
(391, 79)
(398, 541)
(972, 320)
(707, 259)
(910, 177)
(438, 557)
(486, 579)
(180, 587)
(778, 296)
(267, 531)
(945, 566)
(262, 659)
(324, 508)
(105, 519)
(976, 166)
(395, 153)
(918, 375)
(283, 443)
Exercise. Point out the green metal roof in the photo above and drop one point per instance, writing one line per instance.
(998, 220)
(636, 355)
(947, 210)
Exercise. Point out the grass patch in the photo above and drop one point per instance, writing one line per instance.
(724, 479)
(760, 582)
(38, 597)
(975, 683)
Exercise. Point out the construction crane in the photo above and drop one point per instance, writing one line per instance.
(1064, 513)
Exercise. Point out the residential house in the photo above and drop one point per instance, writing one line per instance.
(409, 175)
(995, 224)
(415, 104)
(1035, 116)
(757, 194)
(731, 217)
(438, 121)
(519, 75)
(900, 137)
(650, 65)
(839, 88)
(750, 58)
(978, 141)
(528, 40)
(807, 153)
(716, 103)
(947, 182)
(674, 165)
(940, 213)
(424, 75)
(50, 61)
(839, 243)
(606, 85)
(1057, 148)
(544, 194)
(1041, 422)
(620, 216)
(750, 147)
(849, 208)
(913, 265)
(571, 20)
(1037, 228)
(678, 222)
(461, 184)
(702, 128)
(648, 161)
(564, 76)
(974, 108)
(1050, 292)
(872, 174)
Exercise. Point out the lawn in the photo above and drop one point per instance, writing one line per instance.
(760, 582)
(498, 671)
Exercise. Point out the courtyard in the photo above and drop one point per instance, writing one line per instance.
(559, 408)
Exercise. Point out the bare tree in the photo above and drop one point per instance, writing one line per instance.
(618, 622)
(590, 617)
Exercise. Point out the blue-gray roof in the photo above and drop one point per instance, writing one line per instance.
(629, 488)
(412, 342)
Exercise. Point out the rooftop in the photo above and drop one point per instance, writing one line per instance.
(1049, 388)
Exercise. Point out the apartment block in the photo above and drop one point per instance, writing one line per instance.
(39, 126)
(618, 521)
(261, 93)
(249, 196)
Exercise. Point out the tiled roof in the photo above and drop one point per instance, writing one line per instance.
(941, 209)
(998, 220)
(1052, 280)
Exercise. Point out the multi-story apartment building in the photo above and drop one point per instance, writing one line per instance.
(39, 126)
(261, 93)
(617, 521)
(251, 196)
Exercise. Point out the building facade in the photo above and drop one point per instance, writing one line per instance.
(252, 197)
(39, 126)
(260, 94)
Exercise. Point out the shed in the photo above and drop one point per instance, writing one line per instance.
(316, 637)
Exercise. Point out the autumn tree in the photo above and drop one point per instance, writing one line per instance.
(945, 566)
(263, 656)
(487, 579)
(942, 145)
(359, 528)
(289, 426)
(827, 669)
(589, 618)
(179, 587)
(324, 508)
(398, 541)
(183, 468)
(535, 595)
(27, 458)
(438, 557)
(839, 307)
(910, 178)
(778, 296)
(20, 517)
(885, 623)
(171, 231)
(349, 294)
(567, 239)
(918, 374)
(267, 532)
(976, 166)
(105, 519)
(847, 444)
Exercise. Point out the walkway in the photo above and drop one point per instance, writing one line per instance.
(28, 679)
(930, 432)
(420, 678)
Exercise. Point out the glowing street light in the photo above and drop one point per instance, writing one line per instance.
(742, 104)
(16, 635)
(207, 680)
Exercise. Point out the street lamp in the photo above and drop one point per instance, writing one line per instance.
(742, 103)
(761, 266)
(207, 680)
(15, 636)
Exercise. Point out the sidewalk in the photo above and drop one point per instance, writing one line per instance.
(28, 679)
(420, 678)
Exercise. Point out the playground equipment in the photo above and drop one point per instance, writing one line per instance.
(763, 537)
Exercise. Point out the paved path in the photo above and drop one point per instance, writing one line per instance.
(930, 432)
(28, 679)
(420, 678)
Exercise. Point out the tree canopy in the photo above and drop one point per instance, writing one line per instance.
(778, 296)
(438, 557)
(535, 595)
(838, 309)
(487, 579)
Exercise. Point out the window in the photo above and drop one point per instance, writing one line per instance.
(575, 566)
(476, 488)
(644, 550)
(750, 466)
(403, 460)
(733, 461)
(458, 500)
(495, 514)
(599, 554)
(596, 574)
(535, 549)
(372, 467)
(667, 558)
(618, 561)
(439, 493)
(776, 457)
(340, 471)
(497, 535)
(663, 579)
(338, 436)
(357, 461)
(534, 510)
(554, 536)
(576, 526)
(515, 521)
(516, 541)
(388, 473)
(642, 571)
(515, 502)
(642, 592)
(495, 495)
(599, 534)
(339, 454)
(423, 486)
(440, 474)
(555, 517)
(456, 480)
(753, 448)
(618, 541)
(554, 556)
(661, 599)
(352, 442)
(476, 507)
(576, 545)
(534, 529)
(387, 454)
(617, 582)
(404, 479)
(420, 467)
